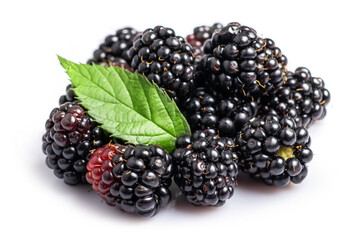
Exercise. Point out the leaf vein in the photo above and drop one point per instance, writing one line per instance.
(165, 130)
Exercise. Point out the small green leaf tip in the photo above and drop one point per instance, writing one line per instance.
(64, 63)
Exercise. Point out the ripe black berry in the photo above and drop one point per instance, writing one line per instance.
(302, 97)
(70, 135)
(206, 168)
(165, 59)
(238, 60)
(274, 150)
(135, 179)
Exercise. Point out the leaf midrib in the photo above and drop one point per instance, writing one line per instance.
(117, 100)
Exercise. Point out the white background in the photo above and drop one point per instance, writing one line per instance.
(321, 35)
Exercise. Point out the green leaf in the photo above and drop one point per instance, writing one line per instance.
(127, 105)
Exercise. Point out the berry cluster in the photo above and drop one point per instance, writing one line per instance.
(206, 168)
(246, 111)
(237, 60)
(274, 150)
(165, 59)
(70, 136)
(135, 179)
(302, 97)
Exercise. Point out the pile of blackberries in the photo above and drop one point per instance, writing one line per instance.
(247, 111)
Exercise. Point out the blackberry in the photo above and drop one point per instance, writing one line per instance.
(135, 179)
(70, 136)
(205, 168)
(205, 109)
(238, 60)
(165, 59)
(69, 96)
(113, 51)
(274, 150)
(200, 35)
(302, 97)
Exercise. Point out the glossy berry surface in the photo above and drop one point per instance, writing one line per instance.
(135, 179)
(206, 168)
(113, 51)
(204, 109)
(69, 95)
(274, 150)
(165, 59)
(200, 35)
(70, 136)
(302, 97)
(238, 60)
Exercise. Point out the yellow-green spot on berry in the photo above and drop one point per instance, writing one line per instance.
(286, 152)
